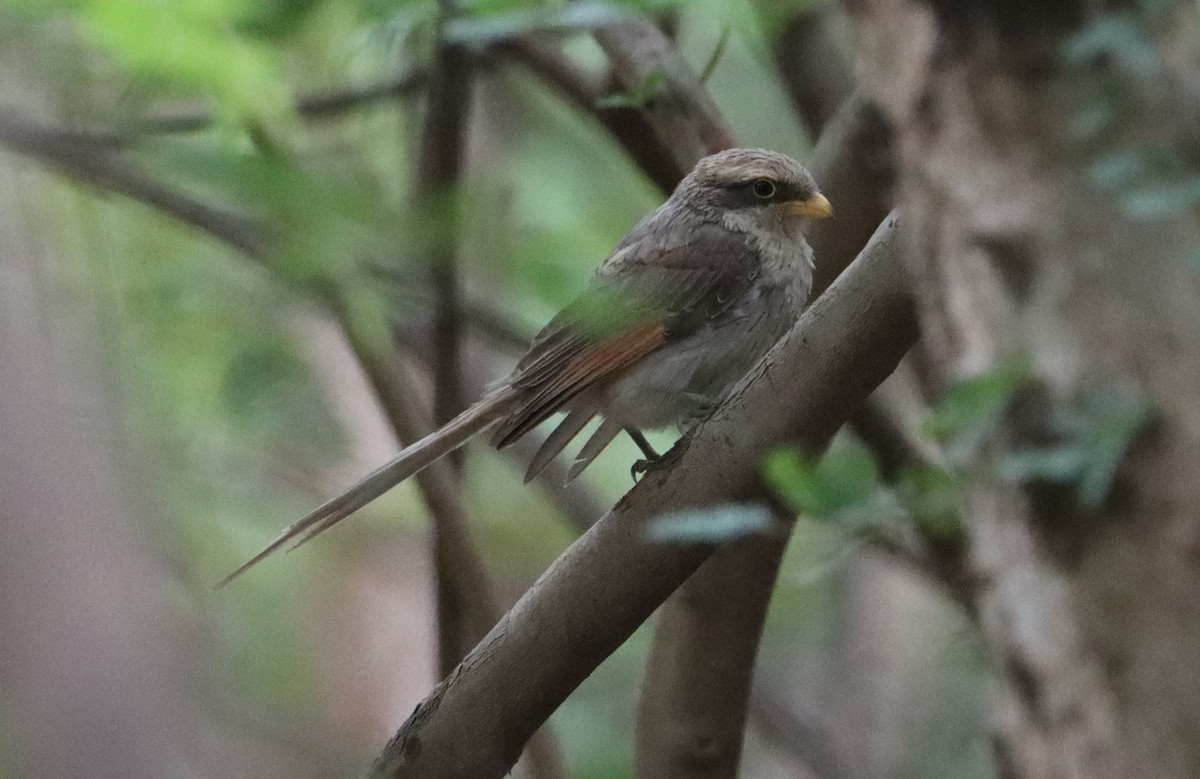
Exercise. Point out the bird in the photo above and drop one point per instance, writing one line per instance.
(687, 302)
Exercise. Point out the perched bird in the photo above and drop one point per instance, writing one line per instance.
(686, 303)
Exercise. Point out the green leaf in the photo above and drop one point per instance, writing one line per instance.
(970, 410)
(1111, 421)
(277, 18)
(844, 478)
(1121, 37)
(258, 371)
(1058, 464)
(483, 29)
(933, 497)
(1095, 436)
(195, 44)
(1163, 201)
(637, 97)
(713, 525)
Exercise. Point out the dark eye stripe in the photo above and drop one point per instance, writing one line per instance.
(741, 194)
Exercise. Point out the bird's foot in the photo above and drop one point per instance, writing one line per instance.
(658, 462)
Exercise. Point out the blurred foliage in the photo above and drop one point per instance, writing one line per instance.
(845, 490)
(1092, 436)
(970, 410)
(488, 22)
(1121, 74)
(840, 486)
(711, 525)
(233, 404)
(1080, 444)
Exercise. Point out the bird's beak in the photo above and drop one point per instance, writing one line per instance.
(815, 207)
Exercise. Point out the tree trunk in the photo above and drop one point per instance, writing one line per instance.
(1030, 240)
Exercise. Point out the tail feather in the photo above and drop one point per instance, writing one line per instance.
(406, 463)
(575, 421)
(603, 436)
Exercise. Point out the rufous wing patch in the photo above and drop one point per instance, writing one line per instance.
(580, 371)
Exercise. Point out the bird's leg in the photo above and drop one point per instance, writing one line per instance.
(652, 460)
(664, 460)
(642, 443)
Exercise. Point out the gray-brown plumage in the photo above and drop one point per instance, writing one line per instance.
(686, 303)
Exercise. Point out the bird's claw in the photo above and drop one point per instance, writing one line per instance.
(648, 464)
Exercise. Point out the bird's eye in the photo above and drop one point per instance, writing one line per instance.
(764, 189)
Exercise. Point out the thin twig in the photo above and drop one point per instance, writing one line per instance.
(439, 164)
(397, 392)
(714, 59)
(439, 167)
(314, 107)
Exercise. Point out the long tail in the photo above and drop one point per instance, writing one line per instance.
(409, 461)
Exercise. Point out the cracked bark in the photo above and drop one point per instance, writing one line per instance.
(1091, 614)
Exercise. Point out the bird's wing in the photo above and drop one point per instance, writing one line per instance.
(657, 287)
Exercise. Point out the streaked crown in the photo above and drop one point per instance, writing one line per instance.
(737, 166)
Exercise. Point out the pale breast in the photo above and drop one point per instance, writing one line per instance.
(684, 379)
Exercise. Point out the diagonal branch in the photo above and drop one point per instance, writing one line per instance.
(628, 125)
(683, 680)
(586, 604)
(693, 706)
(679, 109)
(97, 164)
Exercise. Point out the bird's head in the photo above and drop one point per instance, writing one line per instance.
(753, 188)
